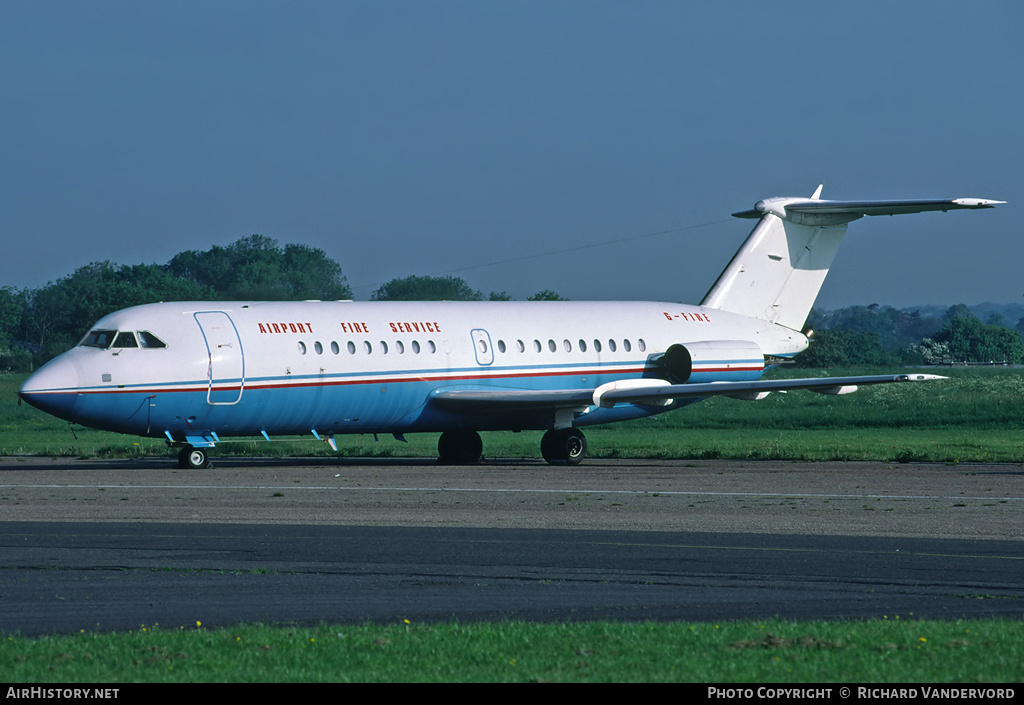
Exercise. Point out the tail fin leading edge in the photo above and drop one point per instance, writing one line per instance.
(777, 272)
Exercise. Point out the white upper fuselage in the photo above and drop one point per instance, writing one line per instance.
(237, 368)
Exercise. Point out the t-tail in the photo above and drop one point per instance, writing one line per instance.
(778, 271)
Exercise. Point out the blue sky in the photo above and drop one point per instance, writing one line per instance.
(441, 137)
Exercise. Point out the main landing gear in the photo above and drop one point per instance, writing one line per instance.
(191, 458)
(459, 448)
(562, 446)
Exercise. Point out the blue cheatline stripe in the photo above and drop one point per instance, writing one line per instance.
(491, 375)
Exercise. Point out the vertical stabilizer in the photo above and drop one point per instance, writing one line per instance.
(778, 271)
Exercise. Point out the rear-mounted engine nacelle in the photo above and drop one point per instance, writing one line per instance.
(711, 360)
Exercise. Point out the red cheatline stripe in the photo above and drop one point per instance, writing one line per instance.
(483, 376)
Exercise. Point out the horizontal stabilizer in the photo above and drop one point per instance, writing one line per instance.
(784, 207)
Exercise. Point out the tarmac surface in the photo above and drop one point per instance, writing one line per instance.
(117, 544)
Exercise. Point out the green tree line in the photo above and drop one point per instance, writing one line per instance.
(876, 336)
(36, 324)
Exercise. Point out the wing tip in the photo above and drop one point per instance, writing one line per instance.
(977, 202)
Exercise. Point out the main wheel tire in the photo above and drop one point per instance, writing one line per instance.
(194, 458)
(564, 446)
(459, 448)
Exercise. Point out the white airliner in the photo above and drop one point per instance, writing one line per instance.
(197, 372)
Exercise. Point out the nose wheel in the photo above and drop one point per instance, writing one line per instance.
(191, 458)
(564, 446)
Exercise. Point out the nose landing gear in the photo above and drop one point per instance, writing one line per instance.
(191, 458)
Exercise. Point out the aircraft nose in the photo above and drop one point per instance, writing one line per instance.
(53, 388)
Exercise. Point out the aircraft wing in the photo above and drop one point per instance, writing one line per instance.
(497, 400)
(650, 391)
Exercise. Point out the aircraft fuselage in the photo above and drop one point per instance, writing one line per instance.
(244, 369)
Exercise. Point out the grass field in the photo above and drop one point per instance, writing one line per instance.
(976, 415)
(891, 650)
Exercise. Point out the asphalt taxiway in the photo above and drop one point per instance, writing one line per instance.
(94, 544)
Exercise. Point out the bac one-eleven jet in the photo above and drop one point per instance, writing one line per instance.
(197, 372)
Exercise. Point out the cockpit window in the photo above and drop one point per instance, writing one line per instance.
(99, 339)
(148, 340)
(104, 339)
(125, 340)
